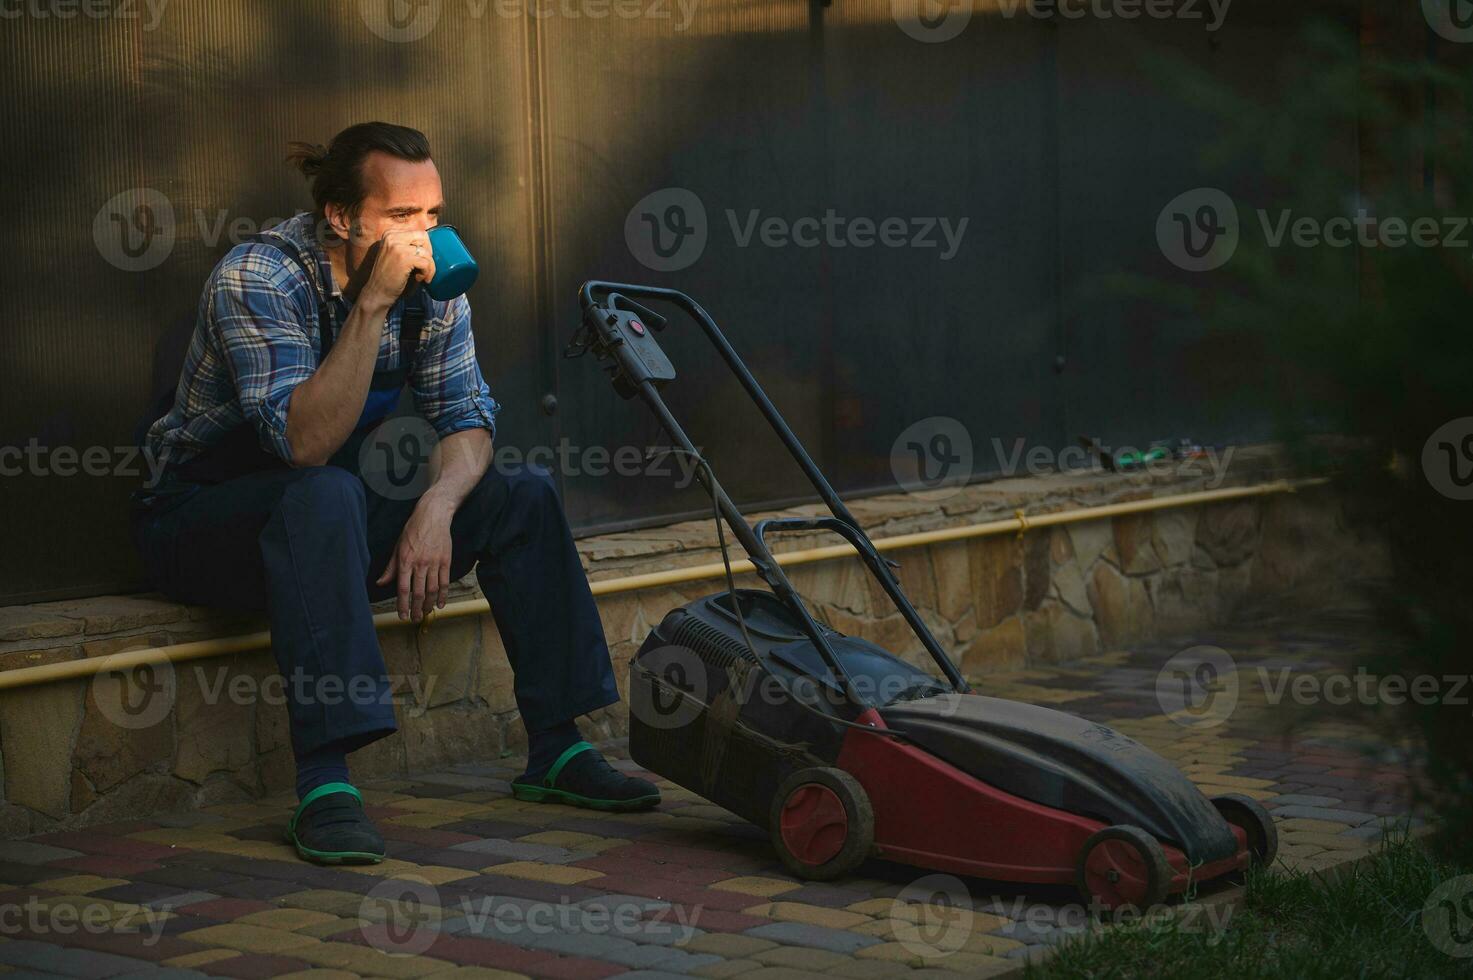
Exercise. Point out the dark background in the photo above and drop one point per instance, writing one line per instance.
(1059, 142)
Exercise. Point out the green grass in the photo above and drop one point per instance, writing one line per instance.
(1366, 922)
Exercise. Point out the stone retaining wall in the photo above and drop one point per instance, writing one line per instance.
(71, 753)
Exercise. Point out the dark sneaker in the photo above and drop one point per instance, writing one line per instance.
(582, 777)
(330, 827)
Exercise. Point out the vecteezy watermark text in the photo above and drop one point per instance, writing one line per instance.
(406, 21)
(937, 454)
(668, 230)
(1200, 687)
(935, 21)
(38, 459)
(35, 918)
(142, 696)
(1201, 229)
(402, 917)
(149, 12)
(933, 917)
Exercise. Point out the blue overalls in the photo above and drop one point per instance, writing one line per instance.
(238, 528)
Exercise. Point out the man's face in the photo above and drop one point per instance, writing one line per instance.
(401, 196)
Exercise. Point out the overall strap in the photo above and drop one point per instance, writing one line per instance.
(325, 318)
(411, 325)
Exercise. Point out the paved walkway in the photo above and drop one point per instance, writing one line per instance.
(479, 885)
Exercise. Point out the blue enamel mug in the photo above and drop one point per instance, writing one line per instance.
(455, 270)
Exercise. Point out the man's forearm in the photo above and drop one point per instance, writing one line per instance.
(460, 460)
(323, 410)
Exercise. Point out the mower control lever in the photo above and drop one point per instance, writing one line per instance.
(651, 318)
(617, 336)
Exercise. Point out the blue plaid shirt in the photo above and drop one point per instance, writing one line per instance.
(256, 339)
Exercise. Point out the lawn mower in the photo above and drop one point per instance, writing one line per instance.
(843, 751)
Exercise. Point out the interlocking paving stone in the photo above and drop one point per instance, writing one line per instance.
(640, 956)
(539, 891)
(17, 873)
(800, 958)
(477, 951)
(139, 893)
(176, 900)
(573, 968)
(1352, 817)
(504, 829)
(256, 966)
(29, 852)
(710, 920)
(510, 850)
(819, 937)
(70, 962)
(576, 943)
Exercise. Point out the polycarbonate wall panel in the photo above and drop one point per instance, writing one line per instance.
(724, 147)
(948, 330)
(1132, 139)
(667, 141)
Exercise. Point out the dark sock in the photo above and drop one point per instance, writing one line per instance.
(545, 745)
(328, 764)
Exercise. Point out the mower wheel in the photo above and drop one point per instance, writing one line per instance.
(821, 823)
(1248, 813)
(1123, 866)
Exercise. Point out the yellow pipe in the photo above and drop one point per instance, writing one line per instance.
(1020, 523)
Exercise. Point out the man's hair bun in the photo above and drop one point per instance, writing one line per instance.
(309, 158)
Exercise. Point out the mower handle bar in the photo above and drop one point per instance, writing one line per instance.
(842, 523)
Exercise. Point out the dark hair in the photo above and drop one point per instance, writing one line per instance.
(336, 170)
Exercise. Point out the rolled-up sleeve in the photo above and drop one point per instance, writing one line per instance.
(449, 391)
(267, 350)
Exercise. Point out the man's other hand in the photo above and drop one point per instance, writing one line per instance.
(421, 561)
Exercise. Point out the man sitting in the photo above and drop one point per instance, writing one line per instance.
(261, 504)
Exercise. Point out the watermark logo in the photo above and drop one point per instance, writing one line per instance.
(1198, 688)
(1447, 918)
(1447, 459)
(400, 21)
(932, 21)
(400, 916)
(680, 692)
(134, 231)
(138, 229)
(932, 454)
(395, 461)
(1198, 230)
(1451, 19)
(932, 916)
(666, 230)
(137, 697)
